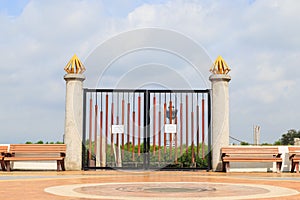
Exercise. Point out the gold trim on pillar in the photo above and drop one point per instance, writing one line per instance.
(74, 66)
(220, 66)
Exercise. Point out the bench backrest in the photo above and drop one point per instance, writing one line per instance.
(250, 150)
(294, 150)
(37, 148)
(3, 149)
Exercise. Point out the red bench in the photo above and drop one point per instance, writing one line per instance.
(250, 154)
(36, 152)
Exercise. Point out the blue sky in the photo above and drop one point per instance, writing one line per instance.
(12, 7)
(259, 40)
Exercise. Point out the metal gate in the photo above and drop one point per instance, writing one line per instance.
(146, 129)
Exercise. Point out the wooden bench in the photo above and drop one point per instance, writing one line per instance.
(250, 154)
(294, 156)
(36, 152)
(3, 151)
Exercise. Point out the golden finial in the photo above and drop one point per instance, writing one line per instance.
(74, 66)
(220, 66)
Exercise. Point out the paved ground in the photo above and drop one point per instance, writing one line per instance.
(147, 185)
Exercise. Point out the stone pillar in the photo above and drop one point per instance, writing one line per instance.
(73, 120)
(220, 111)
(74, 114)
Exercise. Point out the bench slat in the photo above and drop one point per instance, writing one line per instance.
(37, 148)
(250, 150)
(248, 159)
(31, 158)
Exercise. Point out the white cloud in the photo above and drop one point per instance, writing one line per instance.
(260, 41)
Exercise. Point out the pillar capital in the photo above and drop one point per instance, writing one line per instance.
(74, 77)
(219, 77)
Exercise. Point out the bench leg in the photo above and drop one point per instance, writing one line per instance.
(297, 167)
(2, 165)
(58, 165)
(62, 163)
(7, 165)
(225, 167)
(293, 167)
(278, 167)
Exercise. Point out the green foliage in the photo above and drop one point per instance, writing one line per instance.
(266, 144)
(244, 143)
(42, 142)
(278, 142)
(288, 138)
(158, 157)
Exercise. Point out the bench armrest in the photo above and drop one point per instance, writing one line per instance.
(7, 154)
(278, 155)
(292, 156)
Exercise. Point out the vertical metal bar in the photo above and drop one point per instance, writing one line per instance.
(112, 123)
(90, 128)
(203, 128)
(101, 131)
(154, 125)
(133, 134)
(84, 163)
(209, 129)
(139, 125)
(128, 124)
(159, 128)
(96, 129)
(187, 123)
(165, 121)
(192, 130)
(133, 126)
(145, 132)
(117, 136)
(146, 129)
(176, 139)
(181, 124)
(170, 113)
(106, 122)
(123, 121)
(197, 126)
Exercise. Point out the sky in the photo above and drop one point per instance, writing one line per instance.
(259, 40)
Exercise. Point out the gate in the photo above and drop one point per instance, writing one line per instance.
(146, 129)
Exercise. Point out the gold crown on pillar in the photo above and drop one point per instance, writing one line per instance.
(74, 66)
(220, 66)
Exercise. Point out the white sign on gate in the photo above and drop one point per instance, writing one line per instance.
(117, 129)
(170, 128)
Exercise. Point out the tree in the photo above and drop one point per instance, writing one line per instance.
(244, 143)
(288, 138)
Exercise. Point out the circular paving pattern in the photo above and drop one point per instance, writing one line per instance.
(170, 190)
